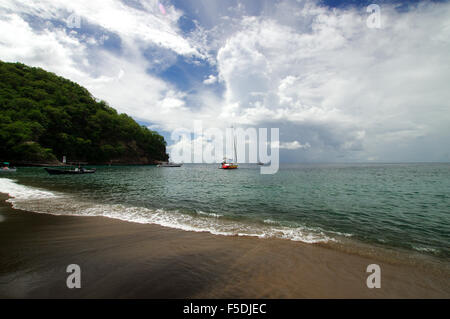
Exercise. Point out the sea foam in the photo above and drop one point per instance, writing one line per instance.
(43, 201)
(21, 192)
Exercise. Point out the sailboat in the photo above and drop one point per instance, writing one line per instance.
(231, 164)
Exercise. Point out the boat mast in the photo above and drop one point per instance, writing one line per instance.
(234, 147)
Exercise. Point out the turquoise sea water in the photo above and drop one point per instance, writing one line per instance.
(393, 205)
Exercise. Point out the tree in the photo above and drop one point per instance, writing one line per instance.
(44, 116)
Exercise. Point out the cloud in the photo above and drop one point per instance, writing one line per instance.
(121, 78)
(210, 80)
(295, 145)
(317, 73)
(47, 48)
(355, 91)
(145, 24)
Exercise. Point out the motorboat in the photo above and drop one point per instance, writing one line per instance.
(7, 169)
(74, 171)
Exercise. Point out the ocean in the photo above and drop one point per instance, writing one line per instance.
(402, 207)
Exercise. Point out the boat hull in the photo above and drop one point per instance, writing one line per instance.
(169, 165)
(55, 171)
(229, 166)
(9, 170)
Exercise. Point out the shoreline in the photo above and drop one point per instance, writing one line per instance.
(121, 259)
(61, 164)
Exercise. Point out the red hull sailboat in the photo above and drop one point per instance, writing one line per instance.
(231, 164)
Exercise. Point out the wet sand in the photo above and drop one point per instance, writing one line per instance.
(128, 260)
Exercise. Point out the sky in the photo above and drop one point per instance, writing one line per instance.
(339, 87)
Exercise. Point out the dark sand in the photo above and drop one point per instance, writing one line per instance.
(127, 260)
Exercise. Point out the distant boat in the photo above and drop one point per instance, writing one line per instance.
(75, 171)
(228, 165)
(169, 164)
(7, 169)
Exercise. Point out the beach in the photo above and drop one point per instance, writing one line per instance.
(120, 259)
(225, 150)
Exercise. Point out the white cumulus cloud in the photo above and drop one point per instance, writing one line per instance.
(317, 73)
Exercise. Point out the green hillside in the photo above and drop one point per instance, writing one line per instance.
(44, 116)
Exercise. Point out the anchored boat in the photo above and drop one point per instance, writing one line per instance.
(7, 169)
(230, 164)
(74, 168)
(75, 171)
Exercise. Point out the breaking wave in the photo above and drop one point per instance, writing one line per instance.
(55, 203)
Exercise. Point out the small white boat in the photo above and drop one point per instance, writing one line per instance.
(7, 169)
